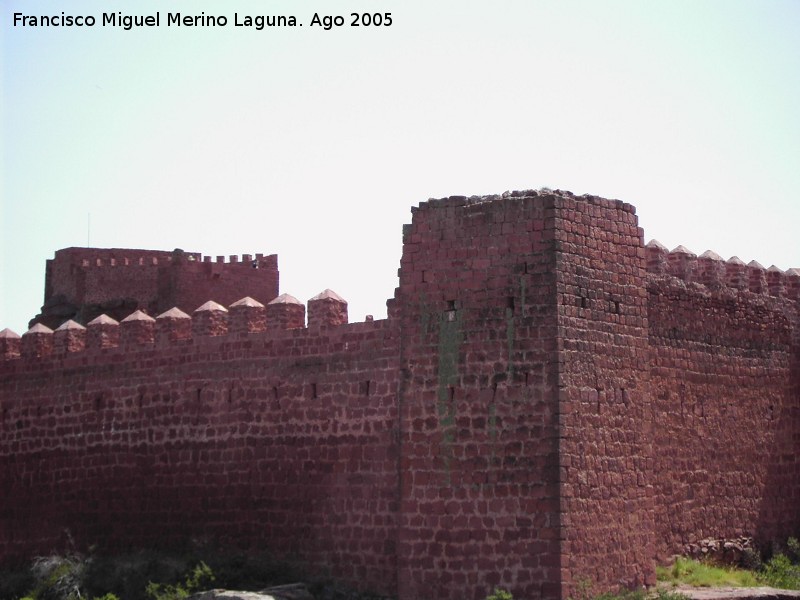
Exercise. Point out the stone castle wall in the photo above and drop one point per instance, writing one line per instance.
(83, 283)
(724, 351)
(549, 402)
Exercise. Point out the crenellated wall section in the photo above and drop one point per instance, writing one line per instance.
(83, 283)
(724, 351)
(222, 426)
(549, 403)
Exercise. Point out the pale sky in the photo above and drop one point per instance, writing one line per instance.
(314, 144)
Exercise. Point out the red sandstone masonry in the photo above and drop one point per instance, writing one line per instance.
(724, 352)
(479, 440)
(549, 402)
(82, 283)
(70, 337)
(247, 316)
(192, 439)
(606, 449)
(103, 332)
(285, 312)
(210, 319)
(10, 344)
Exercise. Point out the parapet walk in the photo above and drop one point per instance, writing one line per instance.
(209, 320)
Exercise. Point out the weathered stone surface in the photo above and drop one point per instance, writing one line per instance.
(731, 593)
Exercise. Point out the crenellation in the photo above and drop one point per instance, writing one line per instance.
(736, 273)
(247, 316)
(285, 312)
(680, 263)
(10, 345)
(69, 337)
(173, 326)
(656, 257)
(792, 284)
(83, 283)
(327, 308)
(775, 282)
(210, 319)
(137, 329)
(102, 333)
(37, 342)
(710, 269)
(756, 277)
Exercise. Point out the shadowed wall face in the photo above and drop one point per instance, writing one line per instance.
(283, 440)
(477, 306)
(606, 449)
(724, 375)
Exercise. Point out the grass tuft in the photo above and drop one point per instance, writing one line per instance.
(699, 574)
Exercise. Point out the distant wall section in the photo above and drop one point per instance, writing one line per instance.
(723, 340)
(83, 283)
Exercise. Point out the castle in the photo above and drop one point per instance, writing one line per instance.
(549, 402)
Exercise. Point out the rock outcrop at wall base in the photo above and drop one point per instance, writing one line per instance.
(296, 591)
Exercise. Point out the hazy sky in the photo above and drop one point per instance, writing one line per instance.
(314, 144)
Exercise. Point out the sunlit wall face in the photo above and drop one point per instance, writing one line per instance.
(313, 144)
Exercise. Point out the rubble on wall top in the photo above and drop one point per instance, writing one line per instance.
(103, 320)
(173, 313)
(328, 294)
(138, 316)
(8, 334)
(211, 306)
(286, 299)
(66, 326)
(465, 201)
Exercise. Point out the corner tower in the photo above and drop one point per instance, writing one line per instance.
(523, 444)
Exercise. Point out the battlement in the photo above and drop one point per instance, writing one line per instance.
(713, 272)
(124, 257)
(243, 317)
(83, 283)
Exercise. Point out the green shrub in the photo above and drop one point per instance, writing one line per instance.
(793, 549)
(58, 578)
(198, 579)
(500, 594)
(700, 574)
(780, 572)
